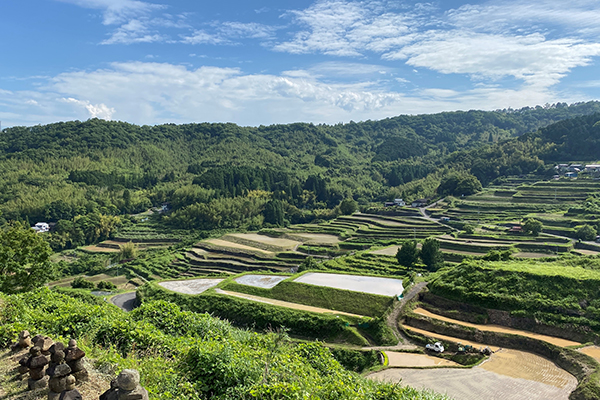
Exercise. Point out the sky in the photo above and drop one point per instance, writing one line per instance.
(267, 62)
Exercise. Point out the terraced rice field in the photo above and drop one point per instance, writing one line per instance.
(356, 283)
(263, 241)
(316, 238)
(592, 351)
(225, 243)
(261, 281)
(451, 339)
(285, 304)
(508, 374)
(407, 360)
(191, 286)
(387, 251)
(498, 328)
(120, 281)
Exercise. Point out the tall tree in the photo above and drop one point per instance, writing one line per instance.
(431, 254)
(24, 259)
(408, 254)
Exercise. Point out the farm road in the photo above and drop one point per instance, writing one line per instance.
(125, 301)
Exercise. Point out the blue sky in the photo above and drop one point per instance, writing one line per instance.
(265, 62)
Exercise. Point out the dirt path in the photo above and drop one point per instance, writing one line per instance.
(392, 321)
(498, 328)
(537, 379)
(286, 304)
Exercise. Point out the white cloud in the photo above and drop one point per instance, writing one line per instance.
(101, 111)
(150, 93)
(343, 28)
(531, 58)
(576, 16)
(118, 11)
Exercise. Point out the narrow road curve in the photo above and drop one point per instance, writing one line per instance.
(125, 301)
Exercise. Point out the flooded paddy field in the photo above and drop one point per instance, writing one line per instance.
(261, 281)
(356, 283)
(191, 286)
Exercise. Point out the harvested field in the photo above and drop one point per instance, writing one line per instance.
(261, 281)
(592, 351)
(498, 328)
(96, 249)
(493, 380)
(521, 364)
(397, 359)
(387, 251)
(279, 243)
(585, 252)
(316, 238)
(285, 304)
(224, 243)
(356, 283)
(192, 286)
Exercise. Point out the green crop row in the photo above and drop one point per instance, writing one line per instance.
(366, 304)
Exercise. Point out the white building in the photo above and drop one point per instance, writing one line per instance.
(41, 227)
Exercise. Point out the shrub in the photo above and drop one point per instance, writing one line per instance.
(81, 283)
(408, 254)
(106, 285)
(586, 232)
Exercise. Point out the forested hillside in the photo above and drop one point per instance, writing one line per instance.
(226, 176)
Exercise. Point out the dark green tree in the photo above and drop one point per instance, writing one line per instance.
(586, 232)
(273, 212)
(431, 254)
(24, 259)
(408, 254)
(532, 227)
(348, 207)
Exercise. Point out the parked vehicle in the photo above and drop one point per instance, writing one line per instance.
(437, 347)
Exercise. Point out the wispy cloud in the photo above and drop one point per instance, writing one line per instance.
(118, 11)
(149, 93)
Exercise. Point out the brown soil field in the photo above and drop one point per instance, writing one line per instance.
(282, 244)
(387, 251)
(498, 328)
(224, 243)
(508, 374)
(397, 359)
(316, 238)
(521, 364)
(285, 304)
(592, 351)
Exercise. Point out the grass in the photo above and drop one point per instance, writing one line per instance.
(318, 296)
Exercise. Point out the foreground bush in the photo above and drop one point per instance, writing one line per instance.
(186, 355)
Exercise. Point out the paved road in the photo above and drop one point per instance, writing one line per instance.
(125, 301)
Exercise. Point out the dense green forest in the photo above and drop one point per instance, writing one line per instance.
(78, 174)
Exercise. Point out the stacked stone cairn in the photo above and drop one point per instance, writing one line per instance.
(58, 371)
(36, 364)
(24, 342)
(74, 358)
(126, 387)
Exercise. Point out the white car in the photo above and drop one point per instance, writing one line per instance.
(437, 347)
